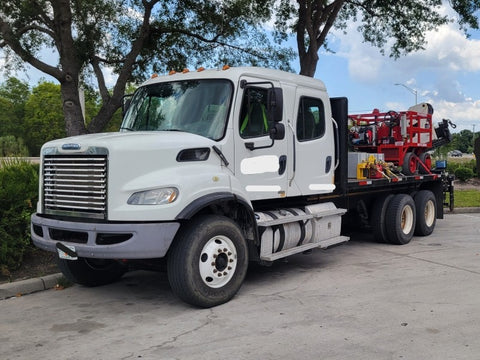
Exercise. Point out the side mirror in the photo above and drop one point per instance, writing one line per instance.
(126, 100)
(277, 131)
(275, 104)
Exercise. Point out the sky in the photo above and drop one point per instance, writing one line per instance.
(446, 74)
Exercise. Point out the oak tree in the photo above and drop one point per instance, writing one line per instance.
(404, 23)
(130, 38)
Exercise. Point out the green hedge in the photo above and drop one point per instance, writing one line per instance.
(18, 198)
(453, 166)
(463, 173)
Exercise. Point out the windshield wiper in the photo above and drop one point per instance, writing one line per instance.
(126, 128)
(173, 130)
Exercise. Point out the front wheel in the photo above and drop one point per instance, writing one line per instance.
(208, 261)
(91, 272)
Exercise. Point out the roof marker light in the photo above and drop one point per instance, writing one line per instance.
(172, 72)
(225, 67)
(154, 75)
(184, 71)
(200, 69)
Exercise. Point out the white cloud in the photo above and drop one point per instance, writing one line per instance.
(445, 74)
(446, 49)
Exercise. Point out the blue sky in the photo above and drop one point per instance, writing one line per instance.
(446, 74)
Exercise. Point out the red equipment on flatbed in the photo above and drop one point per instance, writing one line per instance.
(403, 137)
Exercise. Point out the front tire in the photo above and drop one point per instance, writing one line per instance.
(208, 261)
(400, 219)
(91, 272)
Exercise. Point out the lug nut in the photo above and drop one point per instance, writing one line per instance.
(225, 273)
(229, 253)
(215, 271)
(229, 268)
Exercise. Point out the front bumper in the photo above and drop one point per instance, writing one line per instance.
(105, 240)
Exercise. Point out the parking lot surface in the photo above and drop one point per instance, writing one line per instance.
(361, 300)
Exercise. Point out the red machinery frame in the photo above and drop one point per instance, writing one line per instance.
(403, 137)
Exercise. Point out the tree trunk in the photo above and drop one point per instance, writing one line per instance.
(104, 115)
(74, 122)
(308, 63)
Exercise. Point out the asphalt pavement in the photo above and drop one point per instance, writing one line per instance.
(360, 300)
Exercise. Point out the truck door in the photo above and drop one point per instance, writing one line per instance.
(314, 144)
(260, 162)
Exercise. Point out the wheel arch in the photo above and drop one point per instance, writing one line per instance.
(229, 205)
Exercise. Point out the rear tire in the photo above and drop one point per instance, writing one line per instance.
(426, 207)
(400, 219)
(377, 218)
(208, 261)
(91, 272)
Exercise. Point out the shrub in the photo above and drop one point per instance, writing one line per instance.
(464, 173)
(18, 194)
(12, 146)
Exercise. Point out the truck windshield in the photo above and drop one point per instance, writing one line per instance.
(195, 106)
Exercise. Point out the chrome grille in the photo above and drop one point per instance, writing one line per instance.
(75, 185)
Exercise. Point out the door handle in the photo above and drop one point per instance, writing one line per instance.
(282, 162)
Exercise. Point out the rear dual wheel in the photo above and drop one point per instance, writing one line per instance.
(426, 208)
(400, 219)
(396, 218)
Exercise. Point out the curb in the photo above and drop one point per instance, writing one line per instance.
(465, 210)
(19, 288)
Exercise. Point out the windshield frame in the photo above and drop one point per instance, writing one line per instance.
(198, 106)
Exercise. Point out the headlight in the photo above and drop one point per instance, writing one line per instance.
(154, 197)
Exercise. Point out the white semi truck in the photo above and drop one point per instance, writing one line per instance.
(211, 170)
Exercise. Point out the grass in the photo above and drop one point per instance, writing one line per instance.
(467, 198)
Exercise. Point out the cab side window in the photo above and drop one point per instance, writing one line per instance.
(311, 119)
(253, 114)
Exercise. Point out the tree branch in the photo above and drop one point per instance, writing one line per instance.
(331, 13)
(10, 40)
(27, 28)
(102, 87)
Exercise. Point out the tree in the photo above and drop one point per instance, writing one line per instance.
(405, 22)
(131, 37)
(43, 116)
(13, 95)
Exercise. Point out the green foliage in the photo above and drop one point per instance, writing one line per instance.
(44, 119)
(455, 164)
(11, 146)
(463, 173)
(143, 37)
(13, 95)
(400, 26)
(18, 191)
(467, 198)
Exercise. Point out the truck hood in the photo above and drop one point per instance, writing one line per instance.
(141, 140)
